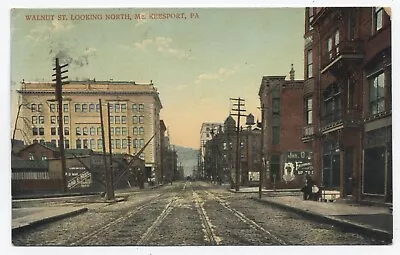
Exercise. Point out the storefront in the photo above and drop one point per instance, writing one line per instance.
(377, 170)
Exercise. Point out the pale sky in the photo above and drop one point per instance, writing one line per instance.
(196, 64)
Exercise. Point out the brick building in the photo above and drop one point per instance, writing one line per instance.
(134, 117)
(347, 90)
(287, 158)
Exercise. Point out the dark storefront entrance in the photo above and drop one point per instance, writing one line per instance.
(331, 165)
(377, 172)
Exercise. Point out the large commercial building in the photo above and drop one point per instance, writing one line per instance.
(347, 95)
(287, 159)
(134, 114)
(206, 135)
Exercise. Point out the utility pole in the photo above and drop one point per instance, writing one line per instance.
(262, 158)
(239, 103)
(58, 79)
(109, 186)
(111, 174)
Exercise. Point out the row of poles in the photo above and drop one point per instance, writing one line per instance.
(109, 176)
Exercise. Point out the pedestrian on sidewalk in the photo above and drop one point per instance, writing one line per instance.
(307, 189)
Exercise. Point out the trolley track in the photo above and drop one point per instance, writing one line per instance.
(270, 238)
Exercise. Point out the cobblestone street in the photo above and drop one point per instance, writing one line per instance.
(185, 213)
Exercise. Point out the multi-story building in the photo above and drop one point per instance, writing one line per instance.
(287, 159)
(205, 135)
(347, 91)
(133, 108)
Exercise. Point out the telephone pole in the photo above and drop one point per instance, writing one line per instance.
(237, 107)
(111, 171)
(109, 184)
(58, 79)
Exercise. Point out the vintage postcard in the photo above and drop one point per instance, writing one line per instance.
(201, 126)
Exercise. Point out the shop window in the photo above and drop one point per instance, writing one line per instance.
(377, 93)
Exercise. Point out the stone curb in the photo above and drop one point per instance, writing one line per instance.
(344, 224)
(55, 195)
(40, 222)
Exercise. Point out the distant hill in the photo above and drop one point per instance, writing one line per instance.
(188, 157)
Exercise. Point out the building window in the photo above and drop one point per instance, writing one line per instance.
(310, 17)
(78, 143)
(332, 104)
(77, 108)
(141, 119)
(141, 107)
(33, 107)
(91, 107)
(135, 119)
(34, 119)
(110, 107)
(92, 144)
(35, 141)
(118, 143)
(378, 18)
(53, 131)
(99, 131)
(78, 131)
(66, 144)
(112, 131)
(377, 93)
(123, 107)
(41, 131)
(352, 25)
(117, 107)
(99, 143)
(52, 107)
(111, 119)
(141, 131)
(41, 119)
(141, 143)
(309, 64)
(40, 107)
(31, 157)
(135, 131)
(112, 143)
(97, 107)
(53, 119)
(85, 131)
(34, 131)
(66, 120)
(84, 107)
(134, 107)
(85, 143)
(308, 110)
(124, 131)
(123, 119)
(92, 131)
(66, 131)
(41, 141)
(117, 119)
(124, 144)
(65, 108)
(117, 131)
(135, 143)
(54, 142)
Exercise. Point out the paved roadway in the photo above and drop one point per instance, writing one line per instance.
(186, 213)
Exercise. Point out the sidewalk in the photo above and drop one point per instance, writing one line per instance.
(27, 218)
(27, 214)
(367, 219)
(269, 192)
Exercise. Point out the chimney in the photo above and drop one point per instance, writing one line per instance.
(292, 74)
